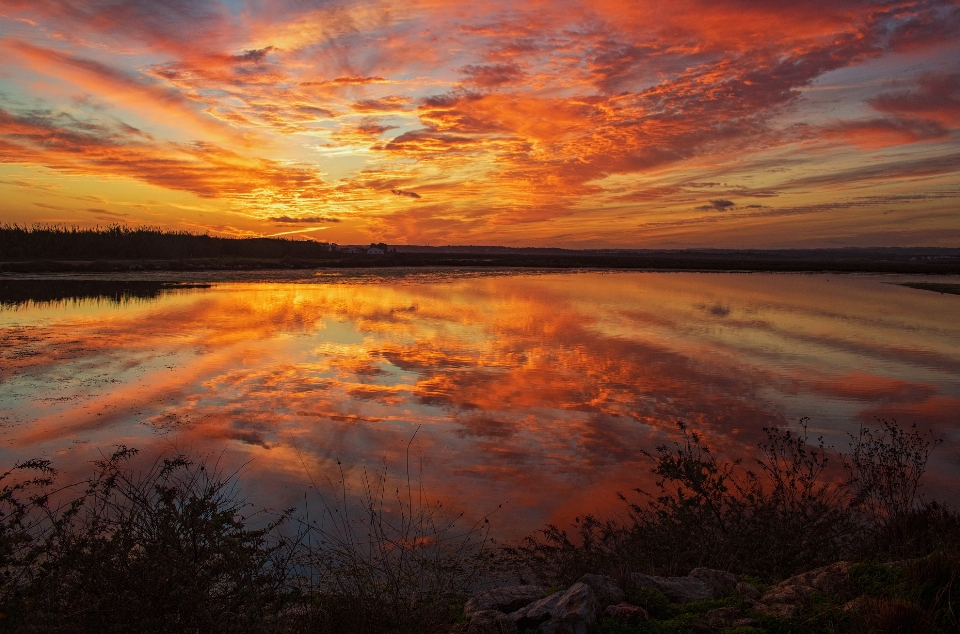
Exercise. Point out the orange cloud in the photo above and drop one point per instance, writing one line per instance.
(510, 117)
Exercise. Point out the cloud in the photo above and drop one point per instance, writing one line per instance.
(936, 24)
(357, 80)
(70, 145)
(303, 219)
(254, 55)
(936, 98)
(492, 75)
(884, 132)
(408, 194)
(570, 120)
(719, 204)
(104, 212)
(120, 85)
(383, 104)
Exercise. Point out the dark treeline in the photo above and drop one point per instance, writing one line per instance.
(176, 548)
(116, 248)
(141, 243)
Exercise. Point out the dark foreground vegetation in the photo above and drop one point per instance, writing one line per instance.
(119, 248)
(176, 549)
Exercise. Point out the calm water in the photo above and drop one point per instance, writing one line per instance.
(538, 391)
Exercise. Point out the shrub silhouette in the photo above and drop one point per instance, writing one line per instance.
(790, 513)
(167, 551)
(175, 548)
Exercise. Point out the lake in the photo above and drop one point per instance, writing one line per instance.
(535, 390)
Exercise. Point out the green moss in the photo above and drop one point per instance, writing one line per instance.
(756, 582)
(875, 579)
(650, 599)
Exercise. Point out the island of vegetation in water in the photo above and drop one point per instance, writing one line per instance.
(782, 545)
(120, 248)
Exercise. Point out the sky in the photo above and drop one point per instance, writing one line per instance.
(580, 124)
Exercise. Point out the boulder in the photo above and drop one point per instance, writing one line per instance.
(748, 593)
(506, 599)
(491, 622)
(626, 612)
(569, 612)
(700, 584)
(784, 602)
(677, 589)
(792, 595)
(720, 582)
(722, 618)
(607, 591)
(833, 581)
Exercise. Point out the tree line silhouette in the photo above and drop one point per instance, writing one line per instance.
(117, 242)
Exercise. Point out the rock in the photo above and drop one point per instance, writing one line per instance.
(833, 581)
(677, 589)
(607, 591)
(699, 585)
(777, 610)
(506, 599)
(720, 582)
(569, 612)
(856, 606)
(784, 602)
(626, 612)
(491, 622)
(748, 593)
(792, 595)
(727, 617)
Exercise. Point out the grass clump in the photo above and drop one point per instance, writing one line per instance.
(370, 570)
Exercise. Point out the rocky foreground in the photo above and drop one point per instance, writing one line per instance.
(524, 608)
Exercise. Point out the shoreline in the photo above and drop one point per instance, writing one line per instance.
(701, 263)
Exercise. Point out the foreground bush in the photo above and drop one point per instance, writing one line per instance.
(166, 552)
(176, 549)
(800, 506)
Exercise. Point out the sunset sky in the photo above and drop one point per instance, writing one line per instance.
(607, 123)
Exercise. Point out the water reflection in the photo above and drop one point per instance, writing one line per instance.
(538, 391)
(23, 293)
